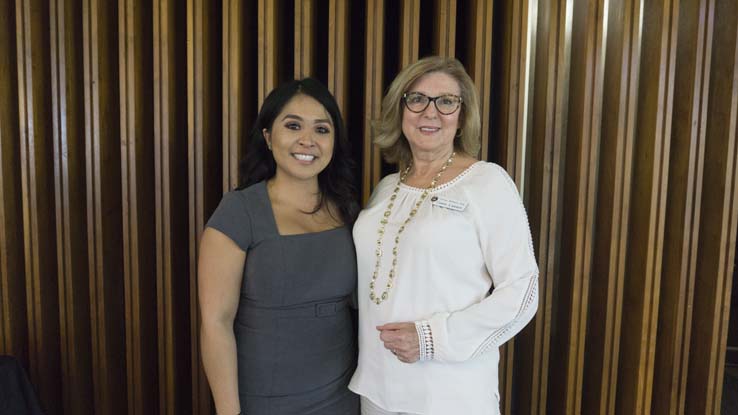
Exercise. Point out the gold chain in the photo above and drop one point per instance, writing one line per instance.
(383, 223)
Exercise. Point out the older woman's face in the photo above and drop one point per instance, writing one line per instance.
(431, 133)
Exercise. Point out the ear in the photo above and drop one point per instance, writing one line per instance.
(267, 138)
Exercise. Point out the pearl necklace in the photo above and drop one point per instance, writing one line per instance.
(383, 223)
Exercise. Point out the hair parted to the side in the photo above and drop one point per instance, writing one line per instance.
(388, 129)
(336, 182)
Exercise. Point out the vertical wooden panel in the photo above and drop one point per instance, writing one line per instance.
(613, 203)
(548, 132)
(13, 326)
(232, 93)
(719, 211)
(518, 45)
(444, 41)
(479, 37)
(36, 150)
(102, 154)
(234, 97)
(304, 38)
(373, 92)
(581, 170)
(409, 32)
(646, 232)
(204, 156)
(170, 166)
(268, 47)
(338, 53)
(71, 230)
(519, 34)
(137, 168)
(691, 85)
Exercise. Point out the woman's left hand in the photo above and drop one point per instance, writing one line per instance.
(402, 340)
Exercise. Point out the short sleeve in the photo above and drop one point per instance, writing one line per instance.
(232, 218)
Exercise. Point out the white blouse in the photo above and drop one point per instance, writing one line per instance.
(466, 266)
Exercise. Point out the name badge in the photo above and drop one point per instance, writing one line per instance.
(450, 204)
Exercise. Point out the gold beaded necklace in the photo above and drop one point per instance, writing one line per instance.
(383, 223)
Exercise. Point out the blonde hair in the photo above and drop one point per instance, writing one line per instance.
(388, 129)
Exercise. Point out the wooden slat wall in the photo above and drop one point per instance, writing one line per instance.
(170, 165)
(121, 125)
(692, 78)
(13, 327)
(69, 184)
(548, 117)
(104, 206)
(204, 155)
(36, 176)
(718, 219)
(609, 251)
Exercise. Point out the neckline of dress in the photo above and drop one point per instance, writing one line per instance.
(273, 218)
(448, 183)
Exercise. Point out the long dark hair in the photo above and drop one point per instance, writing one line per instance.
(336, 181)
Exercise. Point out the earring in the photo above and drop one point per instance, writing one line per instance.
(458, 132)
(269, 146)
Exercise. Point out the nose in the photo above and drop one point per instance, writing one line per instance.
(430, 111)
(306, 140)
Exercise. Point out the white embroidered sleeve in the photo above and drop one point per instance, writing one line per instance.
(507, 247)
(425, 340)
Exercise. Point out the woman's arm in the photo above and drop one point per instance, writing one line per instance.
(220, 270)
(506, 244)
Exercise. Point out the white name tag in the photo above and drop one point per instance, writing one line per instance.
(449, 204)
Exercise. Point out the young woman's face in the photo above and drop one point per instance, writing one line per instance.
(301, 138)
(430, 131)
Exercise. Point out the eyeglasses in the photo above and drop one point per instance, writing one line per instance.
(445, 104)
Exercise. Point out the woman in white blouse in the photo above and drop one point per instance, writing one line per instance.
(445, 260)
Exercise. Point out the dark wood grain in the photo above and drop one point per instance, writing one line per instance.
(691, 81)
(104, 206)
(69, 184)
(613, 201)
(37, 172)
(444, 30)
(373, 91)
(13, 327)
(339, 53)
(205, 163)
(135, 63)
(304, 38)
(718, 219)
(170, 166)
(580, 186)
(479, 39)
(545, 198)
(646, 230)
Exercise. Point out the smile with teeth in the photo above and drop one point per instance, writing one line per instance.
(303, 157)
(429, 129)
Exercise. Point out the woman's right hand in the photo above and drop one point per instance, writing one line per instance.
(402, 340)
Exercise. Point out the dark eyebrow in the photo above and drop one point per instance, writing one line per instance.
(298, 118)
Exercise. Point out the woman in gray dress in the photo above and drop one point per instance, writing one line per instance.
(277, 266)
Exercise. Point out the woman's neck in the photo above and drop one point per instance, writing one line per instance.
(428, 164)
(302, 195)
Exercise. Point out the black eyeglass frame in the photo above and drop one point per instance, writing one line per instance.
(433, 100)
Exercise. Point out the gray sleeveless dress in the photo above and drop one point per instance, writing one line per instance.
(294, 329)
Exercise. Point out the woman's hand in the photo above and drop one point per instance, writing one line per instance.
(402, 340)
